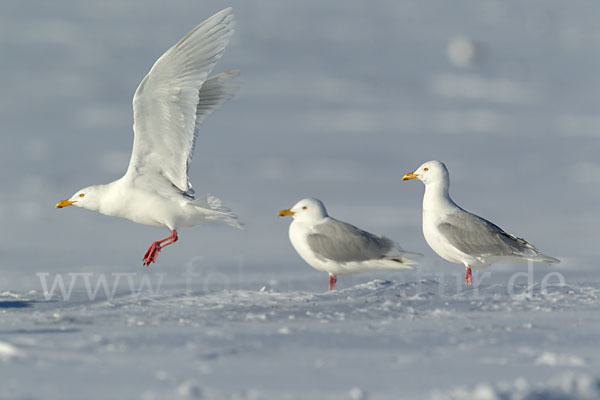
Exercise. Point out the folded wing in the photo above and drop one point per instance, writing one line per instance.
(342, 242)
(478, 237)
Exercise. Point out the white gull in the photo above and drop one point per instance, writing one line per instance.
(339, 248)
(169, 106)
(460, 237)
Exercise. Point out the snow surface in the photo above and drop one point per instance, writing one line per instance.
(380, 339)
(504, 92)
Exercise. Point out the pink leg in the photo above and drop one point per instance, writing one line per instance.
(332, 281)
(468, 277)
(152, 253)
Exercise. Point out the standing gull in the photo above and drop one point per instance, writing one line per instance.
(460, 237)
(169, 106)
(339, 248)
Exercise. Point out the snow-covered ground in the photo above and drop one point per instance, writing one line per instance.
(339, 100)
(380, 339)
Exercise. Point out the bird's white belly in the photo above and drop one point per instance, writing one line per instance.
(151, 209)
(298, 233)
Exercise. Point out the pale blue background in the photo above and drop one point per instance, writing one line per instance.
(339, 100)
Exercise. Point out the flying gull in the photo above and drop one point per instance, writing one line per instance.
(169, 106)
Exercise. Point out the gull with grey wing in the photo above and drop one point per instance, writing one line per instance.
(461, 237)
(339, 248)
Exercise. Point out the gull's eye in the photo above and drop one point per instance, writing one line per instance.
(304, 208)
(81, 194)
(425, 169)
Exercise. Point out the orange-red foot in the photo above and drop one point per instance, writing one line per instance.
(468, 277)
(152, 253)
(332, 281)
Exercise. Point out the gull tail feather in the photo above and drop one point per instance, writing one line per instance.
(219, 212)
(406, 257)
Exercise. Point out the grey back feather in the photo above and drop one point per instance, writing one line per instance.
(342, 242)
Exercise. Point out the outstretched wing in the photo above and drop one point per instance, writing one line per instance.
(214, 93)
(170, 102)
(342, 242)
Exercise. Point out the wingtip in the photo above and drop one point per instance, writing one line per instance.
(224, 12)
(235, 223)
(227, 15)
(543, 259)
(410, 264)
(411, 258)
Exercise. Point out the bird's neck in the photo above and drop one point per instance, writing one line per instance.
(309, 222)
(437, 197)
(101, 200)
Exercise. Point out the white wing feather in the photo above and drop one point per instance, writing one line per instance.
(169, 105)
(215, 91)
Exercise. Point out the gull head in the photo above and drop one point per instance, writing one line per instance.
(429, 172)
(86, 198)
(306, 210)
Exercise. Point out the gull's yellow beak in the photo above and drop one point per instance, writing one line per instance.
(409, 176)
(283, 213)
(64, 203)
